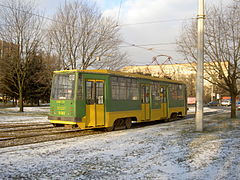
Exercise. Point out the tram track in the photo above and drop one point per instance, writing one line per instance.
(16, 138)
(13, 125)
(26, 128)
(21, 134)
(36, 134)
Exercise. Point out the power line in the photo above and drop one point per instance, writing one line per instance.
(38, 15)
(119, 11)
(129, 44)
(138, 46)
(157, 44)
(143, 46)
(155, 22)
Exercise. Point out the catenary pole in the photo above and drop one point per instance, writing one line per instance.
(200, 59)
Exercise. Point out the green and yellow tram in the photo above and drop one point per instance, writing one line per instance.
(110, 99)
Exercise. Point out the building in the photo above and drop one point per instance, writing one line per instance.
(6, 48)
(185, 72)
(173, 71)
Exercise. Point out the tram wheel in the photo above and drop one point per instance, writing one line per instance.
(119, 124)
(109, 129)
(57, 125)
(128, 123)
(173, 117)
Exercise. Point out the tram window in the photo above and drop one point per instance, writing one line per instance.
(63, 86)
(155, 92)
(90, 92)
(115, 88)
(99, 92)
(128, 88)
(163, 95)
(142, 94)
(180, 92)
(173, 91)
(79, 90)
(162, 90)
(176, 91)
(124, 88)
(147, 93)
(122, 92)
(134, 90)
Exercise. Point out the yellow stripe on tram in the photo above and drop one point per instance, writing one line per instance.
(62, 122)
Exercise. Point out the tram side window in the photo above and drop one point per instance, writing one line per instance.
(134, 90)
(79, 91)
(128, 85)
(163, 95)
(173, 92)
(115, 88)
(180, 91)
(156, 92)
(124, 88)
(176, 91)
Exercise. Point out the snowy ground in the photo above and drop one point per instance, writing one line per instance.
(162, 151)
(30, 115)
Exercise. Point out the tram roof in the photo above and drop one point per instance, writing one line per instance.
(118, 73)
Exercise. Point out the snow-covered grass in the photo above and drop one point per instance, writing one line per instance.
(26, 109)
(30, 115)
(162, 151)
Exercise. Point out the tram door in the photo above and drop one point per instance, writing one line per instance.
(163, 98)
(145, 98)
(95, 102)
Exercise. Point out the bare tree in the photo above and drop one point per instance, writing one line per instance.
(222, 48)
(82, 37)
(20, 26)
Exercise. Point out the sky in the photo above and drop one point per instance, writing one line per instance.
(154, 25)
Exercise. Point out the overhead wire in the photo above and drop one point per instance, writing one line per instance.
(119, 12)
(129, 44)
(157, 44)
(155, 22)
(38, 15)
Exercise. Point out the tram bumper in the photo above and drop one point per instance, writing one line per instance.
(67, 120)
(61, 118)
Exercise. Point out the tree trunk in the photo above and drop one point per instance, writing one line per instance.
(233, 106)
(20, 100)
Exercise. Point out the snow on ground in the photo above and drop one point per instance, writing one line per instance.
(22, 119)
(162, 151)
(26, 109)
(30, 115)
(205, 109)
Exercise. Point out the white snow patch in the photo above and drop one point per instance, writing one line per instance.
(30, 115)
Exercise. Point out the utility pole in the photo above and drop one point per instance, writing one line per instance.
(200, 63)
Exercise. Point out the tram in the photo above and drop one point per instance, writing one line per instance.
(108, 99)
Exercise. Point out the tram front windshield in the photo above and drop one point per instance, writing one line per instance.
(63, 86)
